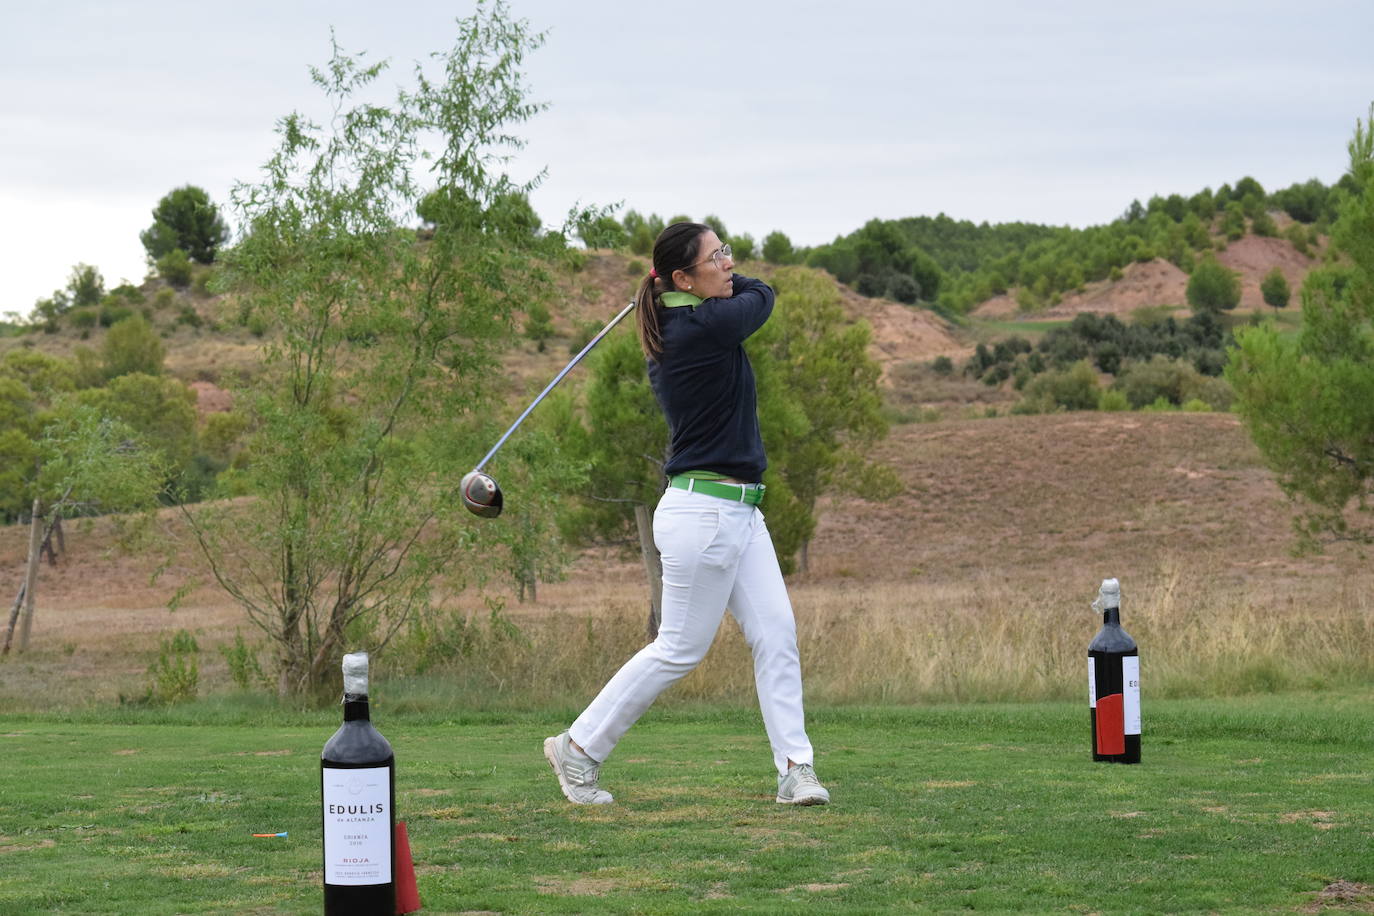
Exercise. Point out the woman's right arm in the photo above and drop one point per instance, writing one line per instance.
(733, 320)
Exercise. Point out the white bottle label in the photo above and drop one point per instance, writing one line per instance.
(1092, 682)
(1130, 689)
(357, 825)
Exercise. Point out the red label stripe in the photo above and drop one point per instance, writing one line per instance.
(1111, 725)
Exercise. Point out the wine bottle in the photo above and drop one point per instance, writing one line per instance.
(1113, 683)
(358, 807)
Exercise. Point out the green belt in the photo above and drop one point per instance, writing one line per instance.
(750, 494)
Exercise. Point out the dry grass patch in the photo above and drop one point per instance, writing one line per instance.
(1349, 896)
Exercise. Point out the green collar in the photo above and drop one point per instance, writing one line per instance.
(677, 299)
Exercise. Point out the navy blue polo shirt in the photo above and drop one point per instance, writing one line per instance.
(705, 385)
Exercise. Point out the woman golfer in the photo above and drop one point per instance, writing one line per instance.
(694, 315)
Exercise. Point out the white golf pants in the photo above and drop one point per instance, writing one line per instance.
(716, 554)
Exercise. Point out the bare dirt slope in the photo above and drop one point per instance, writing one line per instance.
(1253, 256)
(1159, 282)
(1080, 494)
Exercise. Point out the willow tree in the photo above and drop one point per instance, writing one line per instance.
(383, 345)
(1309, 401)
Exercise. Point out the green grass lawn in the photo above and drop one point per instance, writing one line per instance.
(1251, 804)
(1028, 328)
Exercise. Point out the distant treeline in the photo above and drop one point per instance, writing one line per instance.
(954, 265)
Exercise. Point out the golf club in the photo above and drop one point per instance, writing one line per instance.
(481, 494)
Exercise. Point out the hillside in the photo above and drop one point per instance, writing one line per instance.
(1158, 282)
(995, 516)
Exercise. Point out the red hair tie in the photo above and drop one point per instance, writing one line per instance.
(653, 274)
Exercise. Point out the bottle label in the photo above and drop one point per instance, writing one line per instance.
(1092, 682)
(357, 825)
(1130, 682)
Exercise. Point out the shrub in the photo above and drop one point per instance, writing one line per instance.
(1297, 235)
(904, 289)
(1174, 381)
(1233, 221)
(1217, 393)
(132, 346)
(175, 268)
(583, 332)
(1074, 388)
(200, 282)
(111, 315)
(84, 318)
(187, 315)
(243, 663)
(538, 324)
(175, 676)
(1113, 401)
(942, 365)
(1196, 405)
(1263, 225)
(996, 375)
(129, 293)
(164, 298)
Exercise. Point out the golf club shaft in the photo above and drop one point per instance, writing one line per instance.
(556, 379)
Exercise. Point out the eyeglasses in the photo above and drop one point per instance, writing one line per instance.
(720, 256)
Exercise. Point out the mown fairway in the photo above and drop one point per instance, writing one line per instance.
(1250, 804)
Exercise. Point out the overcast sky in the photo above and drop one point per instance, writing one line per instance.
(809, 117)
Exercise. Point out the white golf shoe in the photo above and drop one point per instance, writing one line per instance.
(801, 787)
(576, 772)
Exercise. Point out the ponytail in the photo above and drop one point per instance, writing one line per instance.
(674, 249)
(646, 317)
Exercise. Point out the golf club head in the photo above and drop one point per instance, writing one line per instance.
(481, 494)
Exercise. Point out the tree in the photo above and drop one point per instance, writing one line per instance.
(84, 462)
(1274, 288)
(1248, 187)
(161, 412)
(642, 231)
(185, 218)
(602, 231)
(1233, 221)
(379, 387)
(1213, 287)
(777, 248)
(620, 439)
(1309, 402)
(820, 408)
(86, 286)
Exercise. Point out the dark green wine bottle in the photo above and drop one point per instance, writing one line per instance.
(1113, 683)
(358, 807)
